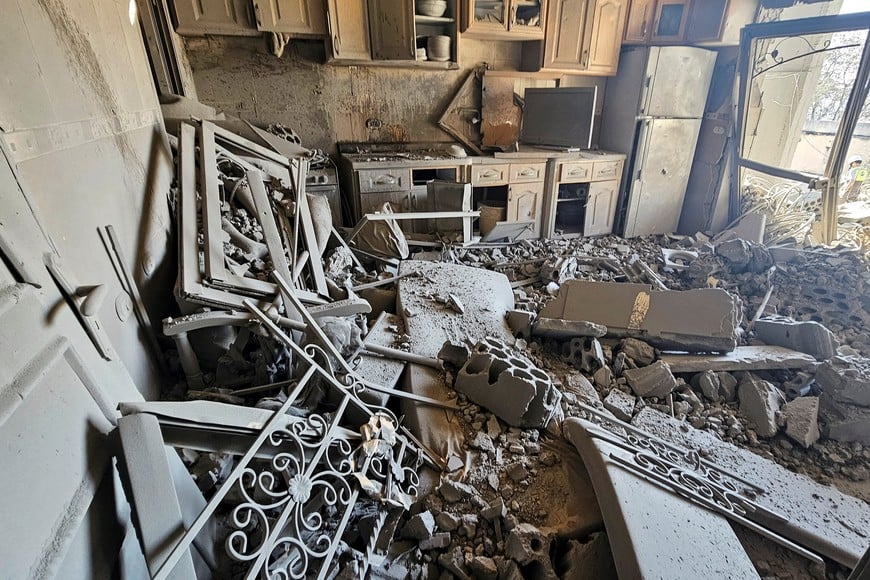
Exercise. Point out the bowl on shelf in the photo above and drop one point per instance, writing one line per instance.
(432, 7)
(438, 48)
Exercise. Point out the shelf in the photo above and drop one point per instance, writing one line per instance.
(421, 19)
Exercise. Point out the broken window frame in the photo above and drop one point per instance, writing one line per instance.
(828, 183)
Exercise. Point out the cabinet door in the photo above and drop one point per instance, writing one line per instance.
(392, 29)
(670, 21)
(485, 16)
(604, 38)
(600, 208)
(705, 21)
(524, 204)
(291, 16)
(348, 22)
(527, 17)
(640, 21)
(227, 17)
(563, 45)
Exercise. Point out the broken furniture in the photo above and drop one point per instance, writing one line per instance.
(372, 175)
(580, 193)
(514, 189)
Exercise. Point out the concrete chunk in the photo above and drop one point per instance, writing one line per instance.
(526, 543)
(809, 337)
(709, 384)
(638, 351)
(802, 420)
(565, 329)
(655, 380)
(620, 404)
(520, 322)
(700, 320)
(743, 358)
(420, 526)
(454, 354)
(846, 380)
(759, 403)
(484, 568)
(503, 381)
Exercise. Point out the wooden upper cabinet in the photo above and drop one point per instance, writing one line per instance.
(566, 24)
(640, 19)
(392, 29)
(291, 16)
(604, 35)
(504, 19)
(670, 20)
(675, 21)
(348, 22)
(227, 17)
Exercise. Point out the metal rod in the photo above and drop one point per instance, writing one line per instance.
(403, 356)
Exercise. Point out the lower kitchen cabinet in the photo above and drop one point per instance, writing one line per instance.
(517, 186)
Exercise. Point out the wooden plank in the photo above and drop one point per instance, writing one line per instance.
(211, 204)
(159, 520)
(315, 263)
(187, 244)
(267, 222)
(248, 145)
(421, 215)
(743, 358)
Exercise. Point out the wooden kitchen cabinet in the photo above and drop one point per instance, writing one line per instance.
(303, 17)
(226, 17)
(504, 19)
(348, 22)
(600, 207)
(524, 203)
(675, 21)
(392, 29)
(581, 36)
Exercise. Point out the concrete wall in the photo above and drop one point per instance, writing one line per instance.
(812, 150)
(327, 103)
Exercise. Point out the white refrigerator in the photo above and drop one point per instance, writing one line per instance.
(652, 112)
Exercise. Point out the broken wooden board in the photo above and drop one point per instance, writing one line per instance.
(501, 115)
(461, 119)
(742, 358)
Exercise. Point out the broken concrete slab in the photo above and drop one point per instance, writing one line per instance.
(808, 336)
(760, 401)
(844, 422)
(655, 380)
(744, 256)
(742, 358)
(585, 354)
(802, 420)
(638, 351)
(502, 380)
(620, 404)
(700, 320)
(817, 516)
(454, 354)
(487, 296)
(560, 329)
(846, 380)
(641, 517)
(520, 322)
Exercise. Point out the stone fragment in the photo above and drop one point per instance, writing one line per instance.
(503, 381)
(727, 386)
(846, 380)
(560, 329)
(493, 428)
(446, 521)
(454, 562)
(482, 442)
(699, 320)
(438, 541)
(454, 491)
(620, 404)
(420, 526)
(580, 386)
(484, 568)
(603, 376)
(517, 472)
(708, 383)
(802, 420)
(654, 380)
(638, 351)
(509, 570)
(759, 403)
(586, 354)
(809, 337)
(454, 354)
(526, 543)
(744, 256)
(520, 322)
(495, 509)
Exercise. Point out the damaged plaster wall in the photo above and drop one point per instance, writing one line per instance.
(326, 103)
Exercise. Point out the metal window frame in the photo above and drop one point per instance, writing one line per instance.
(827, 183)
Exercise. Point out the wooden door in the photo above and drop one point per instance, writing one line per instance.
(706, 20)
(670, 20)
(640, 21)
(348, 22)
(392, 29)
(225, 17)
(600, 207)
(563, 45)
(487, 17)
(524, 204)
(606, 21)
(291, 16)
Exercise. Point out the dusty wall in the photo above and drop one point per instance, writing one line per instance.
(327, 103)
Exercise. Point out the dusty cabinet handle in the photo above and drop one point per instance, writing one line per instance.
(385, 180)
(489, 173)
(607, 171)
(526, 172)
(577, 172)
